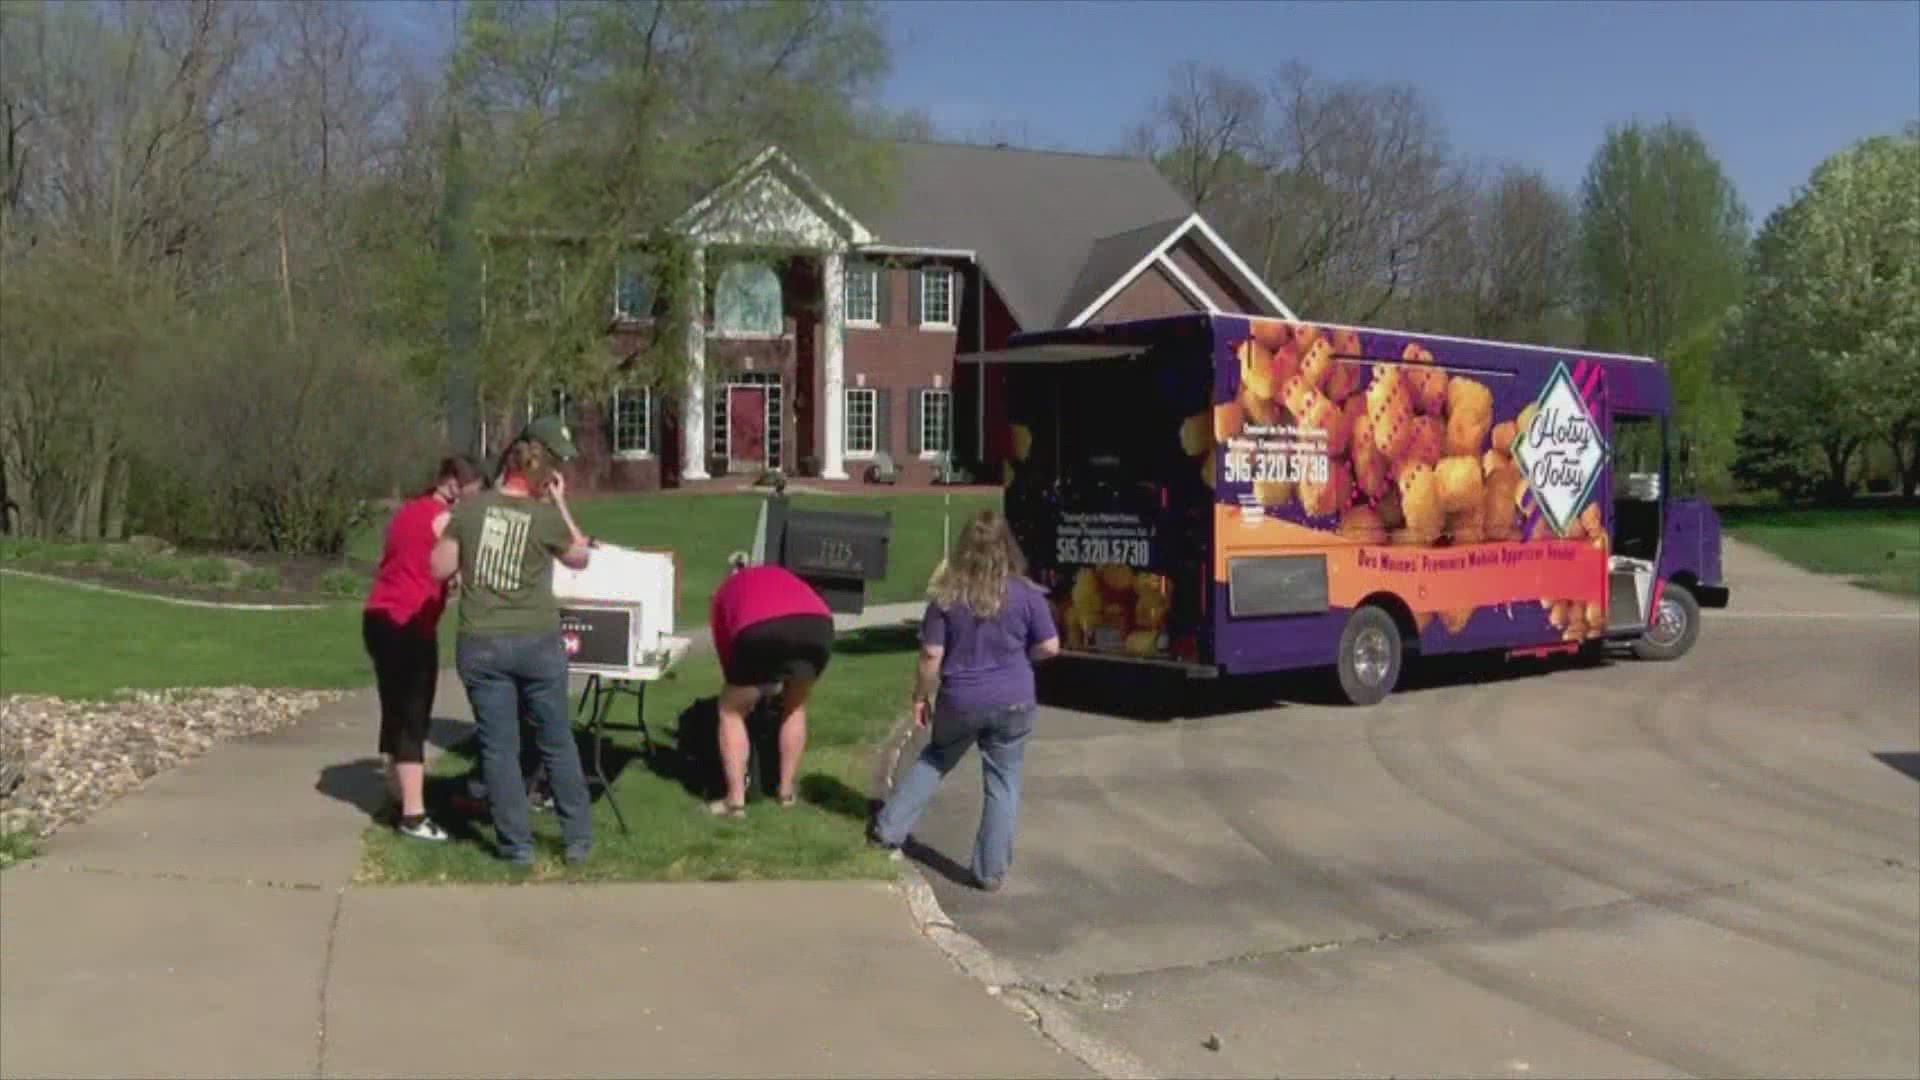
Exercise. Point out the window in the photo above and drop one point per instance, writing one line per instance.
(746, 302)
(633, 288)
(632, 422)
(863, 295)
(936, 422)
(862, 408)
(554, 402)
(936, 297)
(546, 284)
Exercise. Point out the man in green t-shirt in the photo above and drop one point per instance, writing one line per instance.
(509, 652)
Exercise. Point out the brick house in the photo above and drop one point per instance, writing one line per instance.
(845, 349)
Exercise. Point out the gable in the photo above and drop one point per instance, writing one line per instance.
(1199, 262)
(1152, 294)
(770, 202)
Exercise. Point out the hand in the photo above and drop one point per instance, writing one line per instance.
(920, 714)
(557, 487)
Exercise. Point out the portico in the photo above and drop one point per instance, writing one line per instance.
(769, 205)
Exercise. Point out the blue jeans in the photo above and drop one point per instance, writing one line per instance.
(1002, 735)
(503, 676)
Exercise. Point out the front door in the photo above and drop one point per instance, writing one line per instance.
(746, 428)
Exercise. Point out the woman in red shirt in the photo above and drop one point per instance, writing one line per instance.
(400, 629)
(768, 627)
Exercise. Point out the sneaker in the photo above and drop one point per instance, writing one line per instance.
(540, 802)
(576, 856)
(874, 841)
(989, 884)
(420, 828)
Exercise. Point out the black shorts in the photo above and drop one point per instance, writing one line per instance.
(406, 669)
(789, 647)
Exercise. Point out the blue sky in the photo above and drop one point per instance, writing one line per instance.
(1774, 86)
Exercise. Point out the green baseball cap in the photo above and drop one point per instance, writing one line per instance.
(551, 432)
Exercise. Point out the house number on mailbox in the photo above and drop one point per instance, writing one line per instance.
(836, 553)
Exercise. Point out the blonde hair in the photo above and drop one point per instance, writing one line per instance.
(984, 562)
(534, 462)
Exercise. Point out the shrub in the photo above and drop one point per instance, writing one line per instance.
(162, 568)
(260, 579)
(279, 446)
(209, 571)
(342, 581)
(126, 559)
(15, 549)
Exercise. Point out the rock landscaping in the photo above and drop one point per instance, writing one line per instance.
(61, 760)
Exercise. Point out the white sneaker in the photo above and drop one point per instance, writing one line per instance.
(425, 828)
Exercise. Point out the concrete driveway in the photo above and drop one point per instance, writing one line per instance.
(1708, 868)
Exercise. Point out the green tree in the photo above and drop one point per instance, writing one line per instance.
(1830, 333)
(1663, 240)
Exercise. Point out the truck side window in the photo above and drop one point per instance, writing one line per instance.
(1639, 450)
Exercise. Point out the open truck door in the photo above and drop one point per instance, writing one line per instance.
(1106, 487)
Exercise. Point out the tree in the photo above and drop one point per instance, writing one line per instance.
(1503, 265)
(1663, 241)
(1339, 191)
(1831, 329)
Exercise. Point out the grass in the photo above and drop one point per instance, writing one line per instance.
(56, 639)
(673, 837)
(1874, 546)
(705, 528)
(16, 847)
(60, 640)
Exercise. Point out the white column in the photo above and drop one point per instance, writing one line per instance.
(833, 364)
(693, 419)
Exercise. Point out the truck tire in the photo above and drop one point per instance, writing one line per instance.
(1674, 628)
(1371, 653)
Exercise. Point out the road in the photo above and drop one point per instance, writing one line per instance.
(1706, 868)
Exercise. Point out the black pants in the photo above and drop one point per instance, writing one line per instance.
(406, 669)
(789, 647)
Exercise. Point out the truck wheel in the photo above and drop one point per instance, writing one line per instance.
(1674, 628)
(1370, 656)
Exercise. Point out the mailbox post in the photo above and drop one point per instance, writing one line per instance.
(837, 552)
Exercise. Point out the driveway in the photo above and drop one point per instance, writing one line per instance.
(1707, 868)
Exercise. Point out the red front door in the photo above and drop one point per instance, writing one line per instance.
(746, 428)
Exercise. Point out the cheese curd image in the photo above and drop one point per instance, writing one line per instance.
(1196, 434)
(1228, 420)
(1022, 442)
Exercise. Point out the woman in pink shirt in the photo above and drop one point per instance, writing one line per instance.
(400, 629)
(768, 627)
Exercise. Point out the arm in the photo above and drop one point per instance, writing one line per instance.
(933, 648)
(575, 554)
(445, 560)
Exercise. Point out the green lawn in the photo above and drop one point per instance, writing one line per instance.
(673, 837)
(1874, 546)
(704, 529)
(74, 642)
(56, 639)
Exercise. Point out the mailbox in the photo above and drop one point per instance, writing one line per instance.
(837, 552)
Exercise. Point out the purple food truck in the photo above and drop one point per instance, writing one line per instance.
(1231, 495)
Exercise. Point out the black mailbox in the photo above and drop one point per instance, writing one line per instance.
(837, 552)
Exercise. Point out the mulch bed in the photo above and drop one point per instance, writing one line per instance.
(62, 760)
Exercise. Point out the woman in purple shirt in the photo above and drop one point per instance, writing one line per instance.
(985, 626)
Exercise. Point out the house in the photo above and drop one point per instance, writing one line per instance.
(845, 347)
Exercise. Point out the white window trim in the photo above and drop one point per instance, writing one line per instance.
(927, 395)
(613, 429)
(953, 301)
(566, 405)
(620, 313)
(873, 273)
(873, 394)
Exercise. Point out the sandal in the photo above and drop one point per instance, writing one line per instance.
(724, 809)
(789, 800)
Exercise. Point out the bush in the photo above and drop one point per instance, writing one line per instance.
(342, 581)
(209, 571)
(125, 559)
(260, 579)
(161, 568)
(15, 549)
(280, 446)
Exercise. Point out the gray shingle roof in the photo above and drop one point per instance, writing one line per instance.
(1045, 225)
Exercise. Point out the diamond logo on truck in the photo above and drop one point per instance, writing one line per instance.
(1561, 452)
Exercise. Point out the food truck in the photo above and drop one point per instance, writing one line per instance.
(1231, 495)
